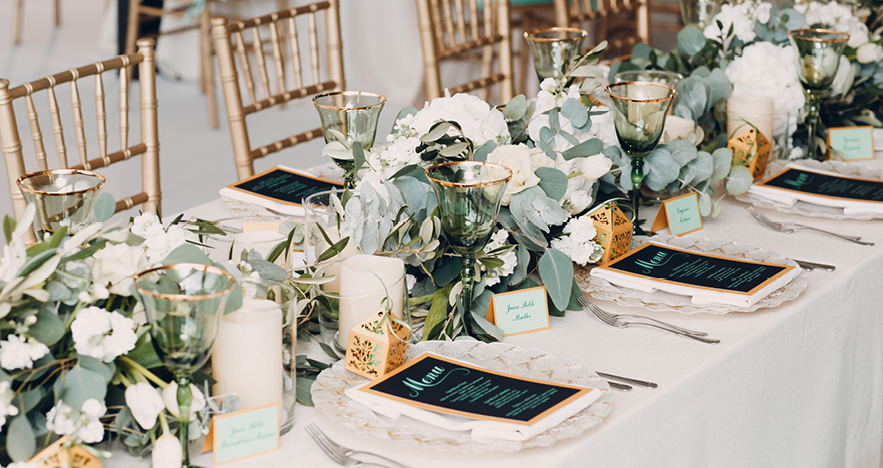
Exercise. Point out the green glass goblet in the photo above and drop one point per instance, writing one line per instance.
(817, 52)
(63, 198)
(699, 13)
(184, 303)
(349, 115)
(469, 195)
(639, 110)
(552, 48)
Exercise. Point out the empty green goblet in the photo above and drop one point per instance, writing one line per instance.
(552, 48)
(63, 198)
(639, 110)
(184, 303)
(349, 115)
(469, 195)
(817, 52)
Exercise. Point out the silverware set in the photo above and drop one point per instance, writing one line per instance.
(621, 321)
(788, 228)
(344, 456)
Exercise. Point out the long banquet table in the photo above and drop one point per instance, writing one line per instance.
(800, 385)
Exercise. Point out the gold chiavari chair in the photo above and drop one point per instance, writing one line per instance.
(148, 148)
(572, 13)
(19, 19)
(452, 29)
(224, 33)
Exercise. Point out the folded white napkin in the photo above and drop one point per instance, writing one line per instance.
(239, 195)
(480, 428)
(790, 198)
(698, 295)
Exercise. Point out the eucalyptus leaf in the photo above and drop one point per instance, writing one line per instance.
(721, 159)
(738, 181)
(20, 439)
(547, 139)
(590, 147)
(303, 387)
(660, 169)
(552, 181)
(106, 371)
(103, 207)
(682, 151)
(481, 153)
(556, 271)
(437, 131)
(516, 108)
(554, 121)
(48, 328)
(485, 326)
(523, 259)
(575, 111)
(690, 40)
(187, 253)
(80, 384)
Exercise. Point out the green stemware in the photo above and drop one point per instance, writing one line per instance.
(63, 198)
(639, 117)
(354, 115)
(699, 13)
(818, 57)
(469, 195)
(552, 48)
(184, 303)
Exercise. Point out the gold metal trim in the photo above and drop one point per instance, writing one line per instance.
(582, 34)
(349, 93)
(844, 36)
(21, 179)
(674, 92)
(185, 297)
(458, 184)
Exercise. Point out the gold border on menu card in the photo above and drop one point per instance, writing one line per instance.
(870, 129)
(277, 168)
(581, 391)
(763, 184)
(757, 288)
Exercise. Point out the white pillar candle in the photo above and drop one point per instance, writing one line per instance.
(363, 278)
(677, 127)
(261, 241)
(757, 110)
(247, 357)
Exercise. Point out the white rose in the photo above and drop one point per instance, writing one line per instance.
(145, 404)
(170, 397)
(166, 452)
(595, 166)
(762, 13)
(858, 35)
(115, 265)
(578, 201)
(538, 159)
(868, 53)
(516, 158)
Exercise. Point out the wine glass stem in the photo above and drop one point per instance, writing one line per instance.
(349, 180)
(467, 276)
(184, 398)
(637, 181)
(812, 121)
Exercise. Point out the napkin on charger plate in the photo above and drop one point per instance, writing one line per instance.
(789, 198)
(289, 209)
(481, 429)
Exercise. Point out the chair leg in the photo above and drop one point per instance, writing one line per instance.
(207, 78)
(57, 13)
(19, 17)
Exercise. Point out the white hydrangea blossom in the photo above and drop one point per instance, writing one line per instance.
(765, 69)
(159, 241)
(510, 259)
(103, 335)
(579, 242)
(742, 17)
(114, 267)
(6, 406)
(82, 425)
(20, 352)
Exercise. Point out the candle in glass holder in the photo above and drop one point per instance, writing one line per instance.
(756, 110)
(365, 280)
(677, 127)
(333, 268)
(247, 358)
(261, 241)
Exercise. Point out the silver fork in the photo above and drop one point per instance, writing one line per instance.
(616, 322)
(587, 304)
(788, 228)
(341, 454)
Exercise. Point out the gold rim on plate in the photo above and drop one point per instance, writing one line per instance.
(21, 179)
(185, 297)
(460, 184)
(671, 96)
(349, 93)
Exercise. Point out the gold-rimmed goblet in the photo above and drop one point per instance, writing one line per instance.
(639, 110)
(469, 195)
(351, 116)
(699, 13)
(817, 53)
(668, 78)
(63, 197)
(184, 303)
(552, 48)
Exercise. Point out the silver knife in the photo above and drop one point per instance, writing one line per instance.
(628, 380)
(809, 266)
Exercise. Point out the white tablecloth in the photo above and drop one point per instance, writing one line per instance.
(798, 386)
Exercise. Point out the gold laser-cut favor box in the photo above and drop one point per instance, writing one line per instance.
(752, 150)
(372, 350)
(614, 230)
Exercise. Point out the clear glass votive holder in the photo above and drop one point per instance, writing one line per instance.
(63, 198)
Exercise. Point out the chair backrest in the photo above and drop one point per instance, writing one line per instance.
(451, 29)
(572, 13)
(148, 148)
(223, 34)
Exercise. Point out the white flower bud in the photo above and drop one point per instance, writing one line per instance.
(145, 404)
(170, 397)
(166, 452)
(595, 166)
(868, 52)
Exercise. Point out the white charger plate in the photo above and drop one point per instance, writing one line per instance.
(329, 398)
(602, 289)
(808, 209)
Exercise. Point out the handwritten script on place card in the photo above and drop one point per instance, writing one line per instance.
(680, 214)
(521, 311)
(246, 433)
(851, 143)
(826, 185)
(444, 385)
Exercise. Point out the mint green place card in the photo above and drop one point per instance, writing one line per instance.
(522, 311)
(244, 434)
(851, 143)
(679, 214)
